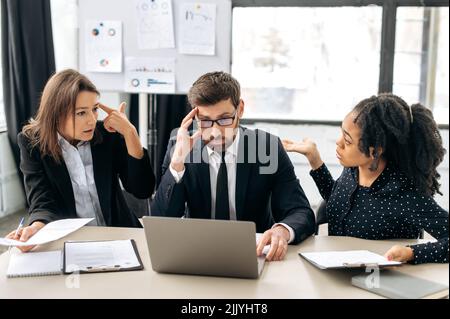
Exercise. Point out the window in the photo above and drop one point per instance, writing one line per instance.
(422, 58)
(64, 22)
(309, 63)
(2, 106)
(65, 33)
(306, 63)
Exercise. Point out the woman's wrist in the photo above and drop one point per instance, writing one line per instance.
(315, 161)
(133, 143)
(131, 132)
(37, 225)
(409, 254)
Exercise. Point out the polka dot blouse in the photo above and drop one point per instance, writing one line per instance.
(390, 208)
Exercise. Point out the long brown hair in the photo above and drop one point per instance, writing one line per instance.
(57, 103)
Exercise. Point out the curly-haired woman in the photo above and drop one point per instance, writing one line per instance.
(390, 152)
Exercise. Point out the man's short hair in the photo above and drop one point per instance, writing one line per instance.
(214, 87)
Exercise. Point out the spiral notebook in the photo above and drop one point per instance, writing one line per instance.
(35, 264)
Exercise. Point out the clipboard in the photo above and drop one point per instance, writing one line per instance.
(347, 259)
(100, 256)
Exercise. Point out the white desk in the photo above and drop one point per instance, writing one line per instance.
(292, 278)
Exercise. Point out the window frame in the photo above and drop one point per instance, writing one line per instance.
(4, 128)
(388, 28)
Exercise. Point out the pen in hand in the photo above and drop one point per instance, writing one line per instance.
(17, 230)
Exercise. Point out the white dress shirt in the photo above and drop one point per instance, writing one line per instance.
(80, 166)
(215, 159)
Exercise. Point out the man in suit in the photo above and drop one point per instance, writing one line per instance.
(225, 171)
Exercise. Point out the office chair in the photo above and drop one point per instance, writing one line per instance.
(321, 215)
(139, 207)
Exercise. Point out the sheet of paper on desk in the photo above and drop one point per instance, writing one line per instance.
(266, 247)
(50, 232)
(342, 259)
(92, 254)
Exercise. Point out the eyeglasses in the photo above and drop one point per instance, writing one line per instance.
(226, 121)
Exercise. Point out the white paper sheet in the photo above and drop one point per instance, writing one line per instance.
(50, 232)
(150, 75)
(340, 259)
(154, 24)
(83, 256)
(198, 28)
(103, 46)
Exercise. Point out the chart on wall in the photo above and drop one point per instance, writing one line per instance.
(154, 24)
(103, 46)
(153, 46)
(150, 75)
(198, 28)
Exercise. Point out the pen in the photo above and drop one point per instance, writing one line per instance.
(17, 230)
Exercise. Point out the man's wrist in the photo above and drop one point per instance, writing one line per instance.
(177, 166)
(284, 232)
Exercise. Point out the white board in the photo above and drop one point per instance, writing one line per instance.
(187, 67)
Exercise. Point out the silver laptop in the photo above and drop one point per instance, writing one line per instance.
(203, 247)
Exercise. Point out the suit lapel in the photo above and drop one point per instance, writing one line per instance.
(202, 175)
(62, 179)
(243, 169)
(102, 177)
(242, 178)
(205, 185)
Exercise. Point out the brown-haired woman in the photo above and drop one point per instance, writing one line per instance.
(72, 163)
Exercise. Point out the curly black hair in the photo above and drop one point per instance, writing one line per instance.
(408, 136)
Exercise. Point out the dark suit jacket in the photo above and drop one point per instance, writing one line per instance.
(49, 189)
(262, 197)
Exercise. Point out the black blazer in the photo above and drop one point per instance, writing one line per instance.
(262, 198)
(49, 189)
